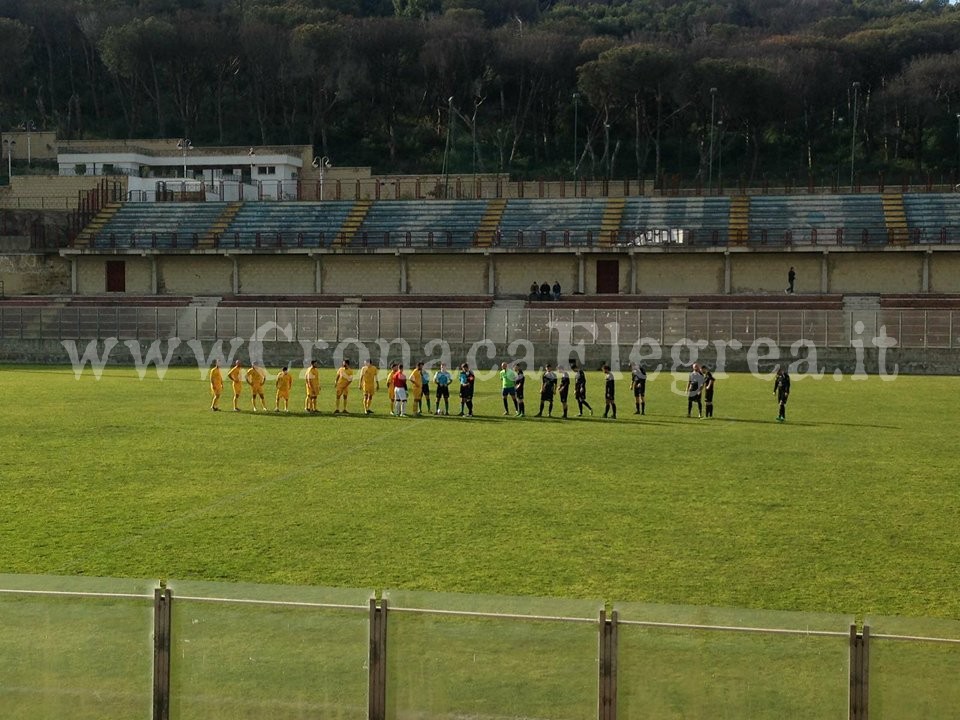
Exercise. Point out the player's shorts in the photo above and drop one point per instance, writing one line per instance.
(216, 390)
(237, 388)
(640, 388)
(466, 393)
(519, 393)
(399, 394)
(509, 391)
(708, 397)
(580, 393)
(443, 391)
(417, 395)
(563, 395)
(783, 397)
(367, 389)
(342, 391)
(283, 395)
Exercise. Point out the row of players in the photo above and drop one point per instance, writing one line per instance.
(701, 385)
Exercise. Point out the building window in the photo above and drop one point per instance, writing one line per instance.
(266, 170)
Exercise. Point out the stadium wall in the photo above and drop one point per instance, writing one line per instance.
(508, 273)
(486, 355)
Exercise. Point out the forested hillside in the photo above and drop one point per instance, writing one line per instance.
(625, 89)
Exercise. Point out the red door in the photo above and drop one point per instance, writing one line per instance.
(608, 277)
(116, 276)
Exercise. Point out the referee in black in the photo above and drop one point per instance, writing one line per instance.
(781, 388)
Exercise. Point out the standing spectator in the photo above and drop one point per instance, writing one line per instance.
(312, 383)
(519, 383)
(781, 388)
(508, 388)
(400, 391)
(556, 290)
(498, 235)
(694, 390)
(216, 385)
(236, 383)
(609, 392)
(708, 385)
(580, 389)
(548, 388)
(284, 383)
(545, 291)
(368, 384)
(564, 388)
(443, 380)
(467, 380)
(638, 381)
(791, 278)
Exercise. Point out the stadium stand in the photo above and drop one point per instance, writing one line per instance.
(554, 222)
(433, 223)
(665, 221)
(285, 224)
(932, 217)
(160, 225)
(840, 219)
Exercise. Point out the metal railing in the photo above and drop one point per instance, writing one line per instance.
(934, 329)
(292, 652)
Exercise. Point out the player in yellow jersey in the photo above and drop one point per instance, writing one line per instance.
(368, 383)
(216, 384)
(284, 383)
(416, 383)
(236, 382)
(312, 379)
(344, 378)
(256, 378)
(391, 390)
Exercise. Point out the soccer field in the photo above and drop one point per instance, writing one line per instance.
(850, 506)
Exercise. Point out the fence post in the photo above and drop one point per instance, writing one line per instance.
(162, 601)
(859, 673)
(377, 709)
(607, 705)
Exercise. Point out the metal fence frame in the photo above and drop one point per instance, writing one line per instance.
(913, 329)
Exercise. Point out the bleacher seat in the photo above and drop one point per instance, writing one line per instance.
(436, 223)
(933, 217)
(552, 222)
(160, 224)
(796, 219)
(285, 224)
(697, 220)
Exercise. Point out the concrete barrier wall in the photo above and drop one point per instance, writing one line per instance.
(767, 272)
(272, 275)
(447, 274)
(875, 272)
(195, 275)
(486, 356)
(679, 274)
(515, 272)
(34, 274)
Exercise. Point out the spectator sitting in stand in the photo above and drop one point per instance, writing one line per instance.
(556, 290)
(545, 291)
(534, 291)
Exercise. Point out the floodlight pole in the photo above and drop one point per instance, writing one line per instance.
(10, 145)
(853, 132)
(184, 144)
(713, 109)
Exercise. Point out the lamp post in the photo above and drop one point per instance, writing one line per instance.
(576, 118)
(720, 156)
(713, 109)
(853, 132)
(29, 126)
(10, 144)
(446, 150)
(321, 163)
(183, 145)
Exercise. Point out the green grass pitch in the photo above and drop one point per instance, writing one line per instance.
(850, 506)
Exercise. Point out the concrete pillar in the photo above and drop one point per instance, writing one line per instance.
(403, 273)
(581, 274)
(925, 288)
(236, 274)
(73, 276)
(727, 273)
(154, 277)
(491, 275)
(633, 272)
(824, 273)
(318, 274)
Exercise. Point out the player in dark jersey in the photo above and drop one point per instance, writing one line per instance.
(580, 389)
(708, 384)
(638, 381)
(548, 388)
(518, 384)
(564, 388)
(467, 380)
(694, 391)
(609, 392)
(781, 388)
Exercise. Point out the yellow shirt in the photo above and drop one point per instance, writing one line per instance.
(216, 379)
(236, 377)
(416, 380)
(313, 381)
(344, 378)
(284, 383)
(390, 387)
(255, 378)
(368, 377)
